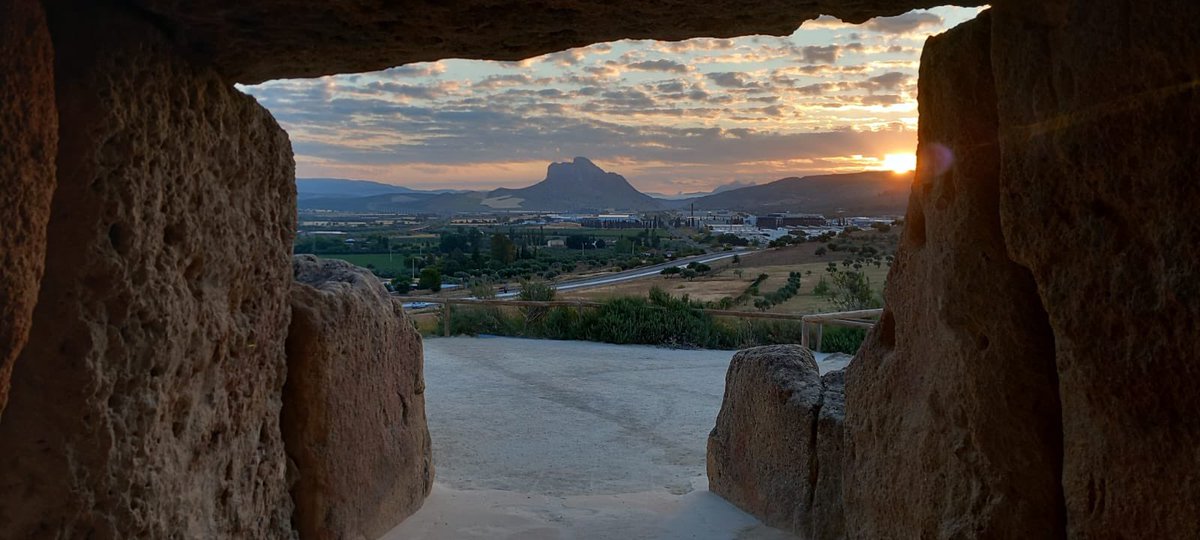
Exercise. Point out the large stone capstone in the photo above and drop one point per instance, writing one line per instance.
(1099, 107)
(354, 404)
(765, 453)
(146, 401)
(254, 41)
(28, 144)
(952, 415)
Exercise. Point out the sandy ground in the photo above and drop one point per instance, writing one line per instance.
(564, 439)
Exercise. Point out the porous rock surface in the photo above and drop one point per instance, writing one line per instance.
(1100, 125)
(254, 41)
(146, 401)
(28, 143)
(952, 402)
(764, 454)
(354, 404)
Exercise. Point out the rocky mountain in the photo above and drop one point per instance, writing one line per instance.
(578, 185)
(870, 192)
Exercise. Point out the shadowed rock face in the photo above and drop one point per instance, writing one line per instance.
(952, 403)
(354, 404)
(28, 141)
(764, 455)
(254, 41)
(1100, 130)
(146, 401)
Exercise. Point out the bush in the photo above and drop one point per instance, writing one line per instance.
(842, 339)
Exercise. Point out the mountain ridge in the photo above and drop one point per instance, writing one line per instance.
(582, 186)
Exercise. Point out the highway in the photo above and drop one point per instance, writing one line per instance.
(625, 275)
(635, 273)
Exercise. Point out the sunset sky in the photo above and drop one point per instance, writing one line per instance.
(669, 116)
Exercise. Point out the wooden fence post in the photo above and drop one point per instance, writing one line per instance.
(446, 319)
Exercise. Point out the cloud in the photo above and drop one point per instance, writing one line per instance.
(669, 66)
(893, 80)
(904, 24)
(700, 110)
(814, 54)
(423, 69)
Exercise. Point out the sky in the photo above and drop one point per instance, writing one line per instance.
(672, 117)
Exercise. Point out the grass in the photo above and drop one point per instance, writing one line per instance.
(724, 282)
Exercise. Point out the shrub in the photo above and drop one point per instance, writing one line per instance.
(841, 339)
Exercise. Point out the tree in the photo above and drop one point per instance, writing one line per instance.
(431, 278)
(821, 251)
(737, 259)
(850, 290)
(503, 249)
(600, 244)
(576, 241)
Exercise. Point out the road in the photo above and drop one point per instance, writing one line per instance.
(636, 273)
(616, 277)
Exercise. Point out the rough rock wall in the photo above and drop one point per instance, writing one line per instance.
(764, 452)
(254, 41)
(1100, 114)
(28, 140)
(146, 402)
(952, 404)
(354, 404)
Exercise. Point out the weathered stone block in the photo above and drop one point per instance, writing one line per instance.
(1100, 142)
(146, 402)
(952, 402)
(764, 455)
(354, 404)
(28, 141)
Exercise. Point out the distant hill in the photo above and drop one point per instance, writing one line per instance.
(330, 188)
(865, 193)
(581, 186)
(694, 194)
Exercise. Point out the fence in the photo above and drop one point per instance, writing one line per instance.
(817, 322)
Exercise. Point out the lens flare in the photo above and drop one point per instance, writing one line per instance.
(900, 163)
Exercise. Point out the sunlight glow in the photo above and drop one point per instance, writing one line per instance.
(900, 163)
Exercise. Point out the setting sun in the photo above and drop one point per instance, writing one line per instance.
(900, 163)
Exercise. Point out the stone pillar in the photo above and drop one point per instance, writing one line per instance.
(1100, 137)
(146, 402)
(28, 140)
(952, 415)
(354, 404)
